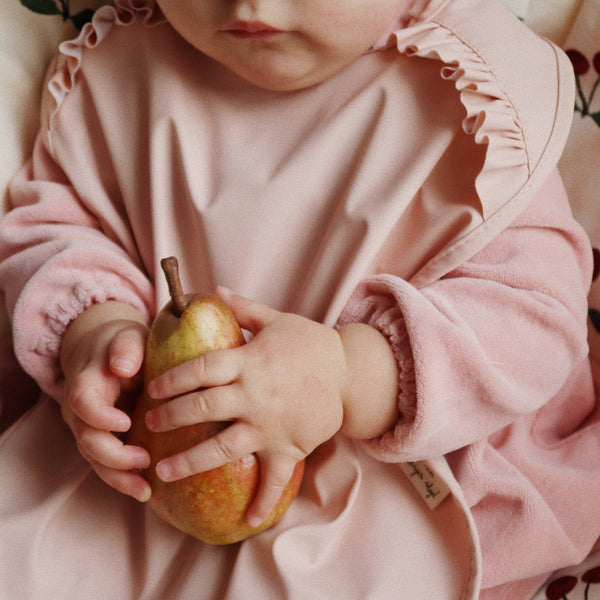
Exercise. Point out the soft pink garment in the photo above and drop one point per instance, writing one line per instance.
(386, 195)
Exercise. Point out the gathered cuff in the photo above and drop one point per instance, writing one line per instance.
(372, 304)
(56, 300)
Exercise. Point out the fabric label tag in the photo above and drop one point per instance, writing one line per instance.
(431, 487)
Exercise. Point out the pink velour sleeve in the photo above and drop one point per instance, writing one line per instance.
(55, 261)
(494, 339)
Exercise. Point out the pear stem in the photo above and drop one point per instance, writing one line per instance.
(170, 266)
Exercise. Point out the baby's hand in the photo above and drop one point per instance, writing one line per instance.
(282, 391)
(101, 358)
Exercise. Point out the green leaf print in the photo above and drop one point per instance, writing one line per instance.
(43, 7)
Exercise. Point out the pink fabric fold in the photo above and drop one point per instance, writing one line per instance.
(73, 537)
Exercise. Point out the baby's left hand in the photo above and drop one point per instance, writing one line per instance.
(283, 391)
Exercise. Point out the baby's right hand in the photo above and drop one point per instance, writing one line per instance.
(101, 358)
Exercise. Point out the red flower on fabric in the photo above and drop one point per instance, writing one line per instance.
(590, 577)
(559, 588)
(581, 66)
(593, 313)
(596, 257)
(596, 62)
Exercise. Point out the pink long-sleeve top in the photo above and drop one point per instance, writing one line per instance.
(414, 191)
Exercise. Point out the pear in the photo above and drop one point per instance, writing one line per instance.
(210, 506)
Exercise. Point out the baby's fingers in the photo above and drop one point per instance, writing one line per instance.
(216, 368)
(229, 445)
(207, 405)
(126, 351)
(92, 400)
(127, 482)
(113, 461)
(275, 473)
(104, 448)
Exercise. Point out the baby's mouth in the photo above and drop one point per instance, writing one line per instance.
(252, 29)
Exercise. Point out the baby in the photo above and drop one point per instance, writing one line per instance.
(400, 250)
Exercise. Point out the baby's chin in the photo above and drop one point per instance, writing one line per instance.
(285, 80)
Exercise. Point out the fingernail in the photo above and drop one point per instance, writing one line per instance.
(122, 363)
(149, 420)
(254, 521)
(224, 291)
(164, 471)
(122, 423)
(142, 462)
(151, 389)
(144, 495)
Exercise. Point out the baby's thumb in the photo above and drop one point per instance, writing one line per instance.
(126, 351)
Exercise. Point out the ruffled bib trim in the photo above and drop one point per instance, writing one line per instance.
(491, 117)
(67, 64)
(521, 150)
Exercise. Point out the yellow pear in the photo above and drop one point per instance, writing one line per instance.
(210, 506)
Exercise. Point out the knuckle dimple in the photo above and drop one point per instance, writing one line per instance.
(163, 415)
(184, 464)
(85, 445)
(279, 481)
(199, 364)
(76, 398)
(84, 453)
(164, 382)
(224, 450)
(82, 393)
(201, 404)
(277, 488)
